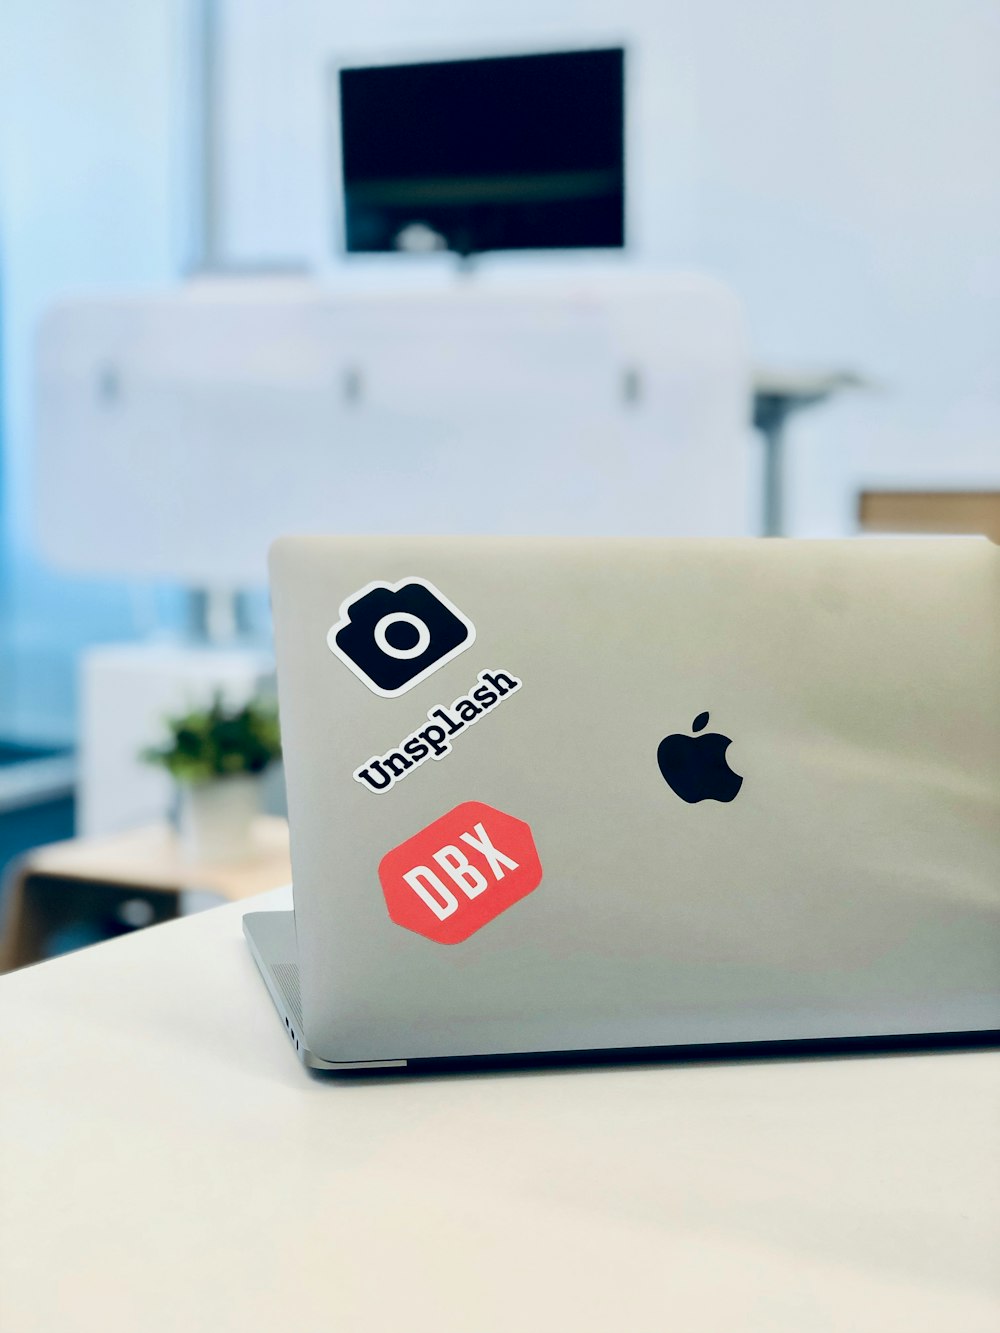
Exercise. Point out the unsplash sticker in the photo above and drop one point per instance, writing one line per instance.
(433, 739)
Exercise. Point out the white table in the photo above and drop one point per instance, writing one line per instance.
(167, 1165)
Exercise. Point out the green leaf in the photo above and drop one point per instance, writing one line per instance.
(219, 741)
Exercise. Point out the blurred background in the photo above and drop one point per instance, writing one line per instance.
(722, 268)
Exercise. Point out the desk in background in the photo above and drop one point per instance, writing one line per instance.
(134, 878)
(931, 511)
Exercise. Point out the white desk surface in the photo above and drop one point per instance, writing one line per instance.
(166, 1164)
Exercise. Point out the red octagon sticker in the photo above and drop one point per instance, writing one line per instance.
(457, 874)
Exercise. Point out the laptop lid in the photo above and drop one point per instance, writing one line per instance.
(554, 795)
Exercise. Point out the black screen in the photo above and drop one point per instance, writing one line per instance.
(508, 153)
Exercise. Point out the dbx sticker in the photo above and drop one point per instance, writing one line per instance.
(453, 877)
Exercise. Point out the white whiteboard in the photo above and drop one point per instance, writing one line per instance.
(178, 433)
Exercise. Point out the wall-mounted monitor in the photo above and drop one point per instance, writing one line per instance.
(501, 153)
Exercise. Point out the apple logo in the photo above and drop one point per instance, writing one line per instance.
(696, 768)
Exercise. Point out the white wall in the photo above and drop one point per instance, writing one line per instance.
(835, 161)
(92, 197)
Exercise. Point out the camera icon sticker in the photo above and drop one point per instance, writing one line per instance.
(394, 635)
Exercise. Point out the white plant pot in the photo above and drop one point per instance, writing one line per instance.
(214, 819)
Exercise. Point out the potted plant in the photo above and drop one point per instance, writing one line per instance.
(217, 757)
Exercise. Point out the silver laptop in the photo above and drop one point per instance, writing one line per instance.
(568, 796)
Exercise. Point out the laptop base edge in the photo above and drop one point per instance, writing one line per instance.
(270, 937)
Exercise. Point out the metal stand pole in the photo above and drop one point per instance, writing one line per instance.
(770, 415)
(776, 398)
